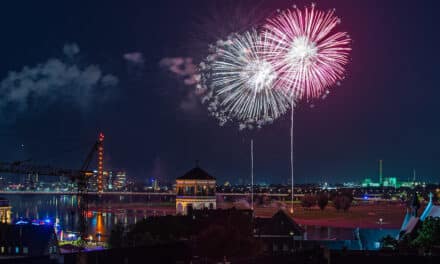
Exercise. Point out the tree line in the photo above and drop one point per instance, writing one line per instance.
(341, 201)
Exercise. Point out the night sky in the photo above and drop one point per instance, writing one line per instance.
(386, 108)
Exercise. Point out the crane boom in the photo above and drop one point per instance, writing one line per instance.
(80, 176)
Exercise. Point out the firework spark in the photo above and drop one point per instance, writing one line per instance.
(306, 52)
(240, 82)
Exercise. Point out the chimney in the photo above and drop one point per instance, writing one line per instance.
(380, 173)
(414, 175)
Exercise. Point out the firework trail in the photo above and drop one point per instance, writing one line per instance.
(240, 82)
(308, 54)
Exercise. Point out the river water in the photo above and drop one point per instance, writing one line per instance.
(105, 212)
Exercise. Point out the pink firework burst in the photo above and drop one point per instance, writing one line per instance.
(308, 54)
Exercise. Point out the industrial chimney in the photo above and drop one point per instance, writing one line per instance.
(380, 173)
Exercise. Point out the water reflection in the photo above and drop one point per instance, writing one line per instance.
(106, 212)
(101, 216)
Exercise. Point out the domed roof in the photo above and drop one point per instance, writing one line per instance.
(196, 174)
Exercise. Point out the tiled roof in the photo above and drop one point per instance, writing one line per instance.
(280, 224)
(196, 174)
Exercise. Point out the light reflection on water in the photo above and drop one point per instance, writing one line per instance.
(107, 211)
(103, 212)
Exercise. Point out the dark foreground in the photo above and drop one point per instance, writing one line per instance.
(180, 253)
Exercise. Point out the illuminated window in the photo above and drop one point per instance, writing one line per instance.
(25, 250)
(17, 250)
(3, 250)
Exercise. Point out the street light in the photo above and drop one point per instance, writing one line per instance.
(293, 240)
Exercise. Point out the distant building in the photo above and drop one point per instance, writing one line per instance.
(195, 190)
(280, 234)
(108, 180)
(386, 182)
(5, 211)
(93, 182)
(112, 181)
(389, 182)
(120, 180)
(18, 241)
(31, 181)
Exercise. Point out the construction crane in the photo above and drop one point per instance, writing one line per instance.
(80, 177)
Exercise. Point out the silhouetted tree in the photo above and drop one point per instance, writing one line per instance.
(218, 241)
(429, 233)
(427, 198)
(322, 200)
(389, 242)
(116, 239)
(308, 200)
(342, 201)
(386, 195)
(162, 229)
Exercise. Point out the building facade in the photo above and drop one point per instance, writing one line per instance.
(27, 241)
(112, 181)
(5, 211)
(120, 180)
(195, 190)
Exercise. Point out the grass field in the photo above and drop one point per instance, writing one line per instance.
(360, 215)
(364, 215)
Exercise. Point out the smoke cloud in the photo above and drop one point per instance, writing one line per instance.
(186, 71)
(134, 57)
(183, 68)
(57, 79)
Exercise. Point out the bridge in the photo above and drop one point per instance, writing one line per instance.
(171, 194)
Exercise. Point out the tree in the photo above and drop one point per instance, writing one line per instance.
(429, 233)
(426, 197)
(116, 239)
(219, 241)
(308, 200)
(389, 242)
(154, 230)
(342, 201)
(322, 200)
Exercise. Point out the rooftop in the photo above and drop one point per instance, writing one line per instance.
(196, 174)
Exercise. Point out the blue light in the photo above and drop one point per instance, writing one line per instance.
(21, 222)
(365, 197)
(47, 221)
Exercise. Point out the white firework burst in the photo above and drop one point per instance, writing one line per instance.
(241, 82)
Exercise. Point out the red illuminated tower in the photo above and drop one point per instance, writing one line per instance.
(101, 162)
